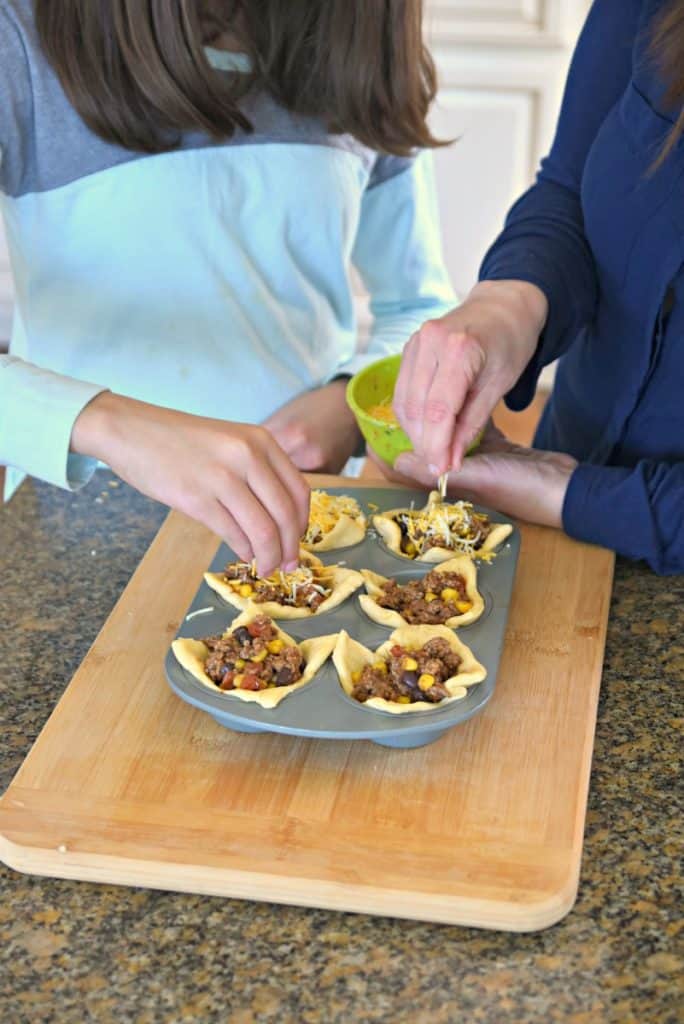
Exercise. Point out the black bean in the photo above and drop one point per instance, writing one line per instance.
(285, 676)
(410, 679)
(242, 635)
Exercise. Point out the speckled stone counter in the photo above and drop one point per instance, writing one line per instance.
(72, 952)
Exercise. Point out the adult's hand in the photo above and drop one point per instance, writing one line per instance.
(317, 429)
(454, 370)
(521, 482)
(232, 477)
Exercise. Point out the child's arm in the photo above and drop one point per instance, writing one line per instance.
(398, 254)
(232, 477)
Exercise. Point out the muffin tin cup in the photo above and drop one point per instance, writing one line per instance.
(321, 709)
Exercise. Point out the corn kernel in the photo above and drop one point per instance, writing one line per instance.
(426, 681)
(430, 596)
(239, 664)
(238, 681)
(246, 590)
(380, 666)
(275, 646)
(403, 700)
(261, 656)
(410, 548)
(464, 606)
(449, 594)
(355, 677)
(409, 665)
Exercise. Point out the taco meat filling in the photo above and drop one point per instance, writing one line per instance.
(254, 657)
(456, 527)
(439, 596)
(409, 676)
(304, 587)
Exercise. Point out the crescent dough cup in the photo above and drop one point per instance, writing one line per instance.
(350, 656)
(343, 581)
(390, 531)
(347, 530)
(462, 564)
(192, 654)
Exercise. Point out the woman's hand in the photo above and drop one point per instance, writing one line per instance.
(455, 369)
(520, 482)
(232, 477)
(317, 429)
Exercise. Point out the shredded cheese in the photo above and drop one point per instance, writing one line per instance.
(290, 582)
(325, 512)
(384, 412)
(446, 525)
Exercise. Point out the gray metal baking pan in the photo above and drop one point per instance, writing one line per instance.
(322, 710)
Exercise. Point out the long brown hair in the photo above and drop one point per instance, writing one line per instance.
(668, 49)
(137, 73)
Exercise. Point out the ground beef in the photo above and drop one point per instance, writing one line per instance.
(409, 598)
(225, 667)
(306, 596)
(396, 682)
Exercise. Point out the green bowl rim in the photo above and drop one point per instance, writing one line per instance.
(357, 409)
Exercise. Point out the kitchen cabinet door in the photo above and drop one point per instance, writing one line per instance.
(502, 66)
(488, 164)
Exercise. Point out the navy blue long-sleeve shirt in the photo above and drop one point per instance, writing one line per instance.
(602, 235)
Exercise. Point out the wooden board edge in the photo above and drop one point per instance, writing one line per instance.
(584, 779)
(496, 915)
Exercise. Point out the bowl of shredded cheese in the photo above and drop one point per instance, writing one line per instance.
(369, 396)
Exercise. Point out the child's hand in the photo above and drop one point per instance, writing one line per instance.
(232, 477)
(454, 370)
(317, 429)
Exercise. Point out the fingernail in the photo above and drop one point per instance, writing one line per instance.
(435, 470)
(291, 566)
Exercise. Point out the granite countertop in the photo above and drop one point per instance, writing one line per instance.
(72, 952)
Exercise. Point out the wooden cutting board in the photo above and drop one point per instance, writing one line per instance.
(128, 784)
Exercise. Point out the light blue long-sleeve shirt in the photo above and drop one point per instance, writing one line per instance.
(214, 279)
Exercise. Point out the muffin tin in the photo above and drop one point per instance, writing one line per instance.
(321, 709)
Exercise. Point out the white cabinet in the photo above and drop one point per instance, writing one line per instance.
(501, 67)
(477, 176)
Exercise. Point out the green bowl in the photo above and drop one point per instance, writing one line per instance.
(374, 385)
